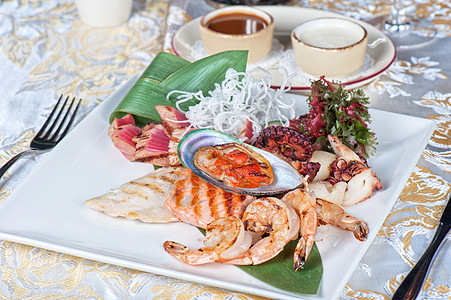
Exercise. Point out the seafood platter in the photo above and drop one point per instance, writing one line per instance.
(244, 187)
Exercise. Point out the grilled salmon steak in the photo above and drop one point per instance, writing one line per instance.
(197, 202)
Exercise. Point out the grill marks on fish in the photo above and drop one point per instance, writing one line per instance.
(140, 199)
(152, 145)
(197, 202)
(150, 185)
(155, 158)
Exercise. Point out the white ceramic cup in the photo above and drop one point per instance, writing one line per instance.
(259, 43)
(104, 13)
(333, 47)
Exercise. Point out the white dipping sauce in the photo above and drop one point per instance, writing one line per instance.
(335, 33)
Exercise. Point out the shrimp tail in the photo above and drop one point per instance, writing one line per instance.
(177, 250)
(360, 231)
(333, 214)
(191, 257)
(351, 223)
(301, 253)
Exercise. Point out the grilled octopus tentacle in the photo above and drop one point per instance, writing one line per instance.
(290, 145)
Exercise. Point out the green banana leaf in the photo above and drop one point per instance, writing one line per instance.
(279, 271)
(162, 66)
(168, 72)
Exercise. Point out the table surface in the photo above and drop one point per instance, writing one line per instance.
(47, 51)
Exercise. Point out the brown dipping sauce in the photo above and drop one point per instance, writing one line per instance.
(236, 23)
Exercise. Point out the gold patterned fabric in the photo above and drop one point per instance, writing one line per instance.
(45, 50)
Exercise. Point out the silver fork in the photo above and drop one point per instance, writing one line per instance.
(51, 133)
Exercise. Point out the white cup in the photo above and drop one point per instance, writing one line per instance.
(104, 13)
(333, 47)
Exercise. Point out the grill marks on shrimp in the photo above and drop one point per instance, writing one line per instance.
(197, 202)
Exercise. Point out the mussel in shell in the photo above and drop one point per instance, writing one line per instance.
(235, 164)
(278, 176)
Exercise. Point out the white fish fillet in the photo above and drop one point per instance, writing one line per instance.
(140, 199)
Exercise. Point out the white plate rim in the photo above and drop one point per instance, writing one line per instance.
(191, 27)
(15, 229)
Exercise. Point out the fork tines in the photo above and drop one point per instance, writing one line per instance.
(60, 123)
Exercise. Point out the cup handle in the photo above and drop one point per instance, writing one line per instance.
(377, 42)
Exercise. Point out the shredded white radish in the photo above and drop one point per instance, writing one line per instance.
(238, 98)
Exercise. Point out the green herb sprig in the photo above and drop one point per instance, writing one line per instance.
(336, 111)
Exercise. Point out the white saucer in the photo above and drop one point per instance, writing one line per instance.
(381, 51)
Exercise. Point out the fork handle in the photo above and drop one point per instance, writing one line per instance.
(10, 162)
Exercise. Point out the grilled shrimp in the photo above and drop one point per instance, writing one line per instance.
(304, 205)
(274, 219)
(333, 214)
(225, 239)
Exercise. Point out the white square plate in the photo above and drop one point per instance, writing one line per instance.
(47, 210)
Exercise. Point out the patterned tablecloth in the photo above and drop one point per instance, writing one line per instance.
(45, 50)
